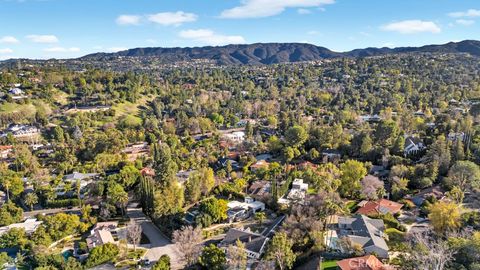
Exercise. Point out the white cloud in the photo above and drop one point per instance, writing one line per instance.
(468, 13)
(43, 38)
(388, 45)
(465, 22)
(209, 37)
(62, 49)
(6, 50)
(172, 18)
(304, 11)
(116, 49)
(8, 39)
(313, 33)
(412, 27)
(128, 20)
(267, 8)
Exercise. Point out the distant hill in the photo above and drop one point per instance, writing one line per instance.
(273, 53)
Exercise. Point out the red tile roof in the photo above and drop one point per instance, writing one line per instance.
(5, 147)
(371, 208)
(368, 262)
(147, 171)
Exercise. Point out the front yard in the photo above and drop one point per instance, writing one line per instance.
(329, 265)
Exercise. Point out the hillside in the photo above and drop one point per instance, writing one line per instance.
(273, 53)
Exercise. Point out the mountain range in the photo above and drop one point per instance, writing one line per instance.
(274, 53)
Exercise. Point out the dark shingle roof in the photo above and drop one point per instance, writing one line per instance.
(253, 242)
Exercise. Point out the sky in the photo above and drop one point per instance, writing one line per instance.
(45, 29)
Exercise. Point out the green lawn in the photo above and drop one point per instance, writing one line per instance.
(129, 108)
(396, 239)
(16, 108)
(329, 265)
(352, 206)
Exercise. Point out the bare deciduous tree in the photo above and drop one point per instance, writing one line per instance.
(265, 265)
(134, 233)
(370, 186)
(237, 256)
(188, 240)
(432, 253)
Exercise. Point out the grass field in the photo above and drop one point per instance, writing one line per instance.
(329, 265)
(128, 111)
(15, 108)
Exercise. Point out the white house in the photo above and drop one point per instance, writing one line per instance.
(243, 210)
(29, 225)
(297, 194)
(237, 136)
(413, 145)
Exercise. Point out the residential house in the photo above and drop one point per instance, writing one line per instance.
(266, 157)
(297, 193)
(236, 137)
(101, 234)
(260, 164)
(22, 132)
(255, 244)
(456, 136)
(370, 118)
(379, 171)
(182, 176)
(17, 93)
(5, 151)
(29, 225)
(361, 231)
(223, 162)
(379, 207)
(84, 179)
(368, 262)
(136, 150)
(242, 210)
(147, 171)
(419, 198)
(260, 190)
(331, 155)
(413, 145)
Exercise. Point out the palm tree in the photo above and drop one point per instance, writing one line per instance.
(31, 199)
(123, 201)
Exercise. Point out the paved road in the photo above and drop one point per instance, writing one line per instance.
(50, 211)
(160, 244)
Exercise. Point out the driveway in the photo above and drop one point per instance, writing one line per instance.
(159, 243)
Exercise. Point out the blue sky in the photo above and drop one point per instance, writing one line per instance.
(72, 28)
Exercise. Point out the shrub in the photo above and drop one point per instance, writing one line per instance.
(162, 264)
(102, 254)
